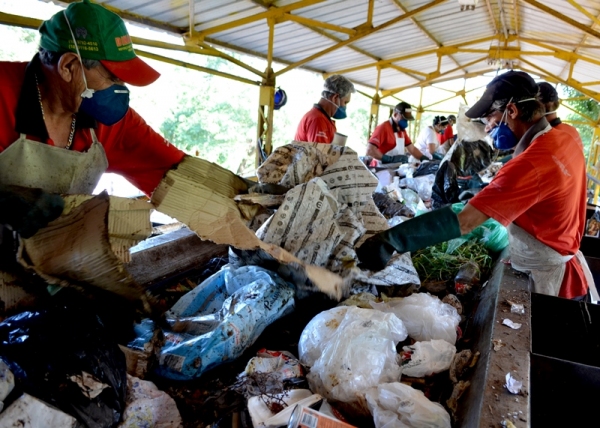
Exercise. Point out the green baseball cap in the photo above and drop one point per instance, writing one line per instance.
(100, 35)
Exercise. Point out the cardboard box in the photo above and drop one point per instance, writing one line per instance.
(305, 417)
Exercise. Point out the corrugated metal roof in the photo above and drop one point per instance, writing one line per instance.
(557, 39)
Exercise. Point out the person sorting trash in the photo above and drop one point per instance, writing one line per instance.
(540, 195)
(427, 141)
(390, 140)
(318, 126)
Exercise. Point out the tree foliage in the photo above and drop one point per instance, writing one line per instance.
(585, 106)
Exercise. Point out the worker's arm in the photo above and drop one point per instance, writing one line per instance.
(428, 229)
(416, 152)
(432, 148)
(373, 151)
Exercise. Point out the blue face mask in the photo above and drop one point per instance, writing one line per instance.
(503, 137)
(107, 106)
(403, 124)
(340, 113)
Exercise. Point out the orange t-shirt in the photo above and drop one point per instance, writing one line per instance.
(384, 139)
(543, 190)
(133, 148)
(571, 130)
(316, 127)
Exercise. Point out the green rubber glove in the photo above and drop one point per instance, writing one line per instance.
(412, 235)
(424, 159)
(505, 159)
(27, 210)
(394, 159)
(437, 156)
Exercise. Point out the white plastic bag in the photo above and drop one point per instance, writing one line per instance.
(317, 333)
(426, 317)
(427, 358)
(360, 354)
(395, 405)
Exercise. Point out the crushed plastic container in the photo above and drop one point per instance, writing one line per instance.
(467, 277)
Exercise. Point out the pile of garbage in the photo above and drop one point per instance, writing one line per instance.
(378, 359)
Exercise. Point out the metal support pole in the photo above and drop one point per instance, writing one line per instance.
(593, 164)
(374, 116)
(266, 102)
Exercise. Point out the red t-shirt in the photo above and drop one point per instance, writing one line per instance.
(384, 139)
(133, 148)
(571, 130)
(543, 191)
(448, 134)
(315, 127)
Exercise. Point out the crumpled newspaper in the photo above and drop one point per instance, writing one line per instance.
(329, 212)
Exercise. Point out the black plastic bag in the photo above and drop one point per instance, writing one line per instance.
(44, 349)
(427, 168)
(457, 179)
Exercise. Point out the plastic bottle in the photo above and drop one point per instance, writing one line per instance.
(467, 277)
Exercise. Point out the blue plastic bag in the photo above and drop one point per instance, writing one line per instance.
(218, 320)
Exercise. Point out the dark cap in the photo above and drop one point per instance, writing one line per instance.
(512, 84)
(440, 120)
(548, 93)
(405, 109)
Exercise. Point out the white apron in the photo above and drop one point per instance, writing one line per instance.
(399, 149)
(32, 164)
(545, 266)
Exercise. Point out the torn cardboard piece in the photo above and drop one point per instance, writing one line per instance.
(74, 249)
(210, 211)
(128, 221)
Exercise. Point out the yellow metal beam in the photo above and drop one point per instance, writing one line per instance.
(441, 79)
(584, 11)
(558, 42)
(19, 21)
(422, 28)
(387, 62)
(276, 12)
(201, 50)
(361, 35)
(588, 120)
(313, 23)
(370, 13)
(491, 15)
(194, 67)
(128, 16)
(564, 18)
(433, 78)
(554, 79)
(267, 5)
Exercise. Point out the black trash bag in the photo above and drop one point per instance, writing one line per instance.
(44, 349)
(427, 168)
(445, 188)
(470, 157)
(459, 173)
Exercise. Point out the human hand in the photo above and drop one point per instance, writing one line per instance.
(374, 253)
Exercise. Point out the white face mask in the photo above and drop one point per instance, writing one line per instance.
(88, 93)
(550, 112)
